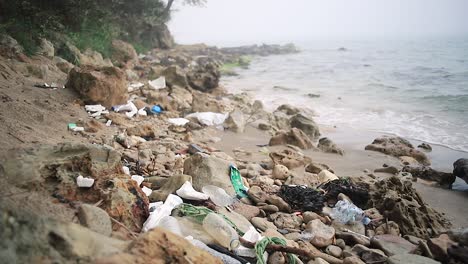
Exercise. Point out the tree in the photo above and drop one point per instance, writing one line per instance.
(167, 10)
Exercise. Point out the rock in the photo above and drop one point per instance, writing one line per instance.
(397, 146)
(334, 251)
(269, 208)
(248, 211)
(305, 124)
(369, 255)
(264, 126)
(38, 71)
(326, 176)
(405, 160)
(352, 239)
(206, 103)
(106, 85)
(144, 130)
(316, 168)
(309, 216)
(397, 200)
(389, 228)
(160, 246)
(353, 260)
(276, 258)
(460, 169)
(170, 186)
(459, 235)
(208, 170)
(280, 172)
(439, 247)
(340, 243)
(410, 259)
(257, 195)
(95, 219)
(427, 173)
(289, 158)
(272, 233)
(9, 47)
(262, 223)
(323, 234)
(279, 202)
(279, 120)
(392, 245)
(235, 121)
(425, 147)
(175, 76)
(122, 52)
(63, 65)
(355, 226)
(287, 221)
(205, 77)
(294, 137)
(389, 169)
(46, 49)
(328, 146)
(318, 261)
(288, 109)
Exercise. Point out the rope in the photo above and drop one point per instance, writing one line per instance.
(261, 245)
(198, 213)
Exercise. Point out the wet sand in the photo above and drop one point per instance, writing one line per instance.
(450, 202)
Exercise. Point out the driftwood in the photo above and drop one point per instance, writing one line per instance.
(306, 254)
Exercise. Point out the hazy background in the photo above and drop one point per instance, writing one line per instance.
(234, 22)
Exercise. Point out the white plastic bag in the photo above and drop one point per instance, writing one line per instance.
(84, 182)
(252, 236)
(159, 83)
(186, 191)
(164, 210)
(147, 190)
(209, 118)
(178, 121)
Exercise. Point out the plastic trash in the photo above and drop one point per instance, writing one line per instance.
(237, 183)
(159, 83)
(126, 170)
(96, 110)
(218, 195)
(178, 121)
(139, 179)
(108, 123)
(194, 148)
(164, 210)
(170, 224)
(133, 86)
(154, 206)
(142, 112)
(346, 212)
(73, 127)
(186, 191)
(84, 182)
(252, 235)
(224, 258)
(130, 109)
(221, 231)
(156, 109)
(209, 118)
(147, 190)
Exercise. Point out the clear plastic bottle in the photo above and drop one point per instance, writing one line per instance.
(346, 212)
(218, 196)
(221, 231)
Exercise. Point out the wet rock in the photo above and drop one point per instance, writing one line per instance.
(392, 245)
(257, 195)
(397, 146)
(410, 259)
(425, 147)
(105, 85)
(460, 169)
(95, 219)
(328, 146)
(287, 221)
(369, 255)
(294, 137)
(158, 245)
(405, 160)
(459, 235)
(334, 251)
(276, 258)
(288, 109)
(235, 121)
(389, 169)
(208, 170)
(280, 172)
(170, 186)
(398, 201)
(305, 124)
(439, 247)
(324, 234)
(122, 52)
(279, 202)
(262, 223)
(427, 173)
(353, 260)
(389, 228)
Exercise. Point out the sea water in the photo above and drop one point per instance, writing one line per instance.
(416, 88)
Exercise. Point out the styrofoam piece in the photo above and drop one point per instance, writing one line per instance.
(178, 121)
(139, 179)
(186, 191)
(209, 118)
(147, 190)
(84, 182)
(133, 86)
(94, 108)
(159, 83)
(126, 170)
(164, 210)
(142, 112)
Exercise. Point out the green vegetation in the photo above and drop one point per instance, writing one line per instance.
(229, 69)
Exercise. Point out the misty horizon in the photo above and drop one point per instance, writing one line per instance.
(227, 22)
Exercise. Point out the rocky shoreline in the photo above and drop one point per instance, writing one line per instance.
(141, 130)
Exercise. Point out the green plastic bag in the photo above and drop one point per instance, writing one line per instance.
(236, 181)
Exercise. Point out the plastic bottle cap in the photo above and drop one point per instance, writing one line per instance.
(235, 243)
(156, 109)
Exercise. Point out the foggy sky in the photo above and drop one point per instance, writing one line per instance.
(248, 21)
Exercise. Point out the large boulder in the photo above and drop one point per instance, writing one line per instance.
(460, 169)
(235, 121)
(123, 52)
(208, 170)
(428, 173)
(294, 137)
(206, 103)
(397, 147)
(175, 76)
(99, 85)
(204, 77)
(305, 124)
(326, 145)
(9, 47)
